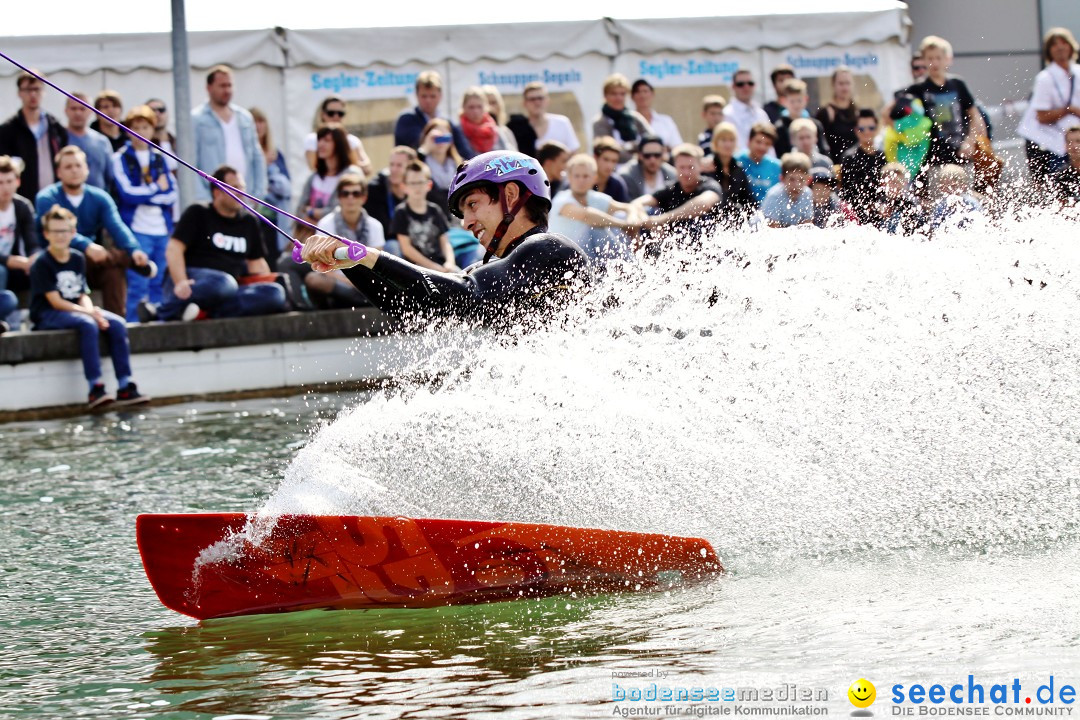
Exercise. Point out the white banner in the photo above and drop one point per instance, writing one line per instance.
(879, 69)
(573, 84)
(683, 79)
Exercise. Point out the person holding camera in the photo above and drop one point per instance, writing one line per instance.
(437, 151)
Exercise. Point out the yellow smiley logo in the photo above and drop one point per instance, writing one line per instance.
(862, 693)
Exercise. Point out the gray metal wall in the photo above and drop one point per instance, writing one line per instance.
(1061, 13)
(997, 43)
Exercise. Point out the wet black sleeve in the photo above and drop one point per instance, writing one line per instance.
(541, 270)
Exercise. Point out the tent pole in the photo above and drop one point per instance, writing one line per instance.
(185, 137)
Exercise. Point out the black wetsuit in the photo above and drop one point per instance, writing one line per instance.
(537, 273)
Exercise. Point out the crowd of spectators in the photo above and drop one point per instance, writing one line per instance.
(921, 161)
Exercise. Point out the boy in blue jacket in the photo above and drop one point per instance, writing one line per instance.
(145, 195)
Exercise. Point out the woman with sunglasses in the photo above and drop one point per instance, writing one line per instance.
(332, 159)
(332, 111)
(348, 220)
(437, 151)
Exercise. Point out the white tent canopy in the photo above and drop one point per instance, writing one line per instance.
(825, 22)
(435, 45)
(872, 22)
(126, 53)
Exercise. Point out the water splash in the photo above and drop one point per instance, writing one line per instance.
(795, 394)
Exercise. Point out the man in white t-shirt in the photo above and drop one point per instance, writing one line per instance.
(741, 111)
(642, 93)
(332, 112)
(1054, 106)
(537, 125)
(17, 242)
(225, 135)
(590, 218)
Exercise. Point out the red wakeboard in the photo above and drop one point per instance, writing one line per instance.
(203, 565)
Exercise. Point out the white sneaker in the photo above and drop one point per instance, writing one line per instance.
(149, 270)
(146, 311)
(190, 312)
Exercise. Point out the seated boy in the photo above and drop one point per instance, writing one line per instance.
(897, 209)
(829, 210)
(60, 300)
(790, 202)
(420, 225)
(957, 207)
(589, 217)
(804, 136)
(762, 170)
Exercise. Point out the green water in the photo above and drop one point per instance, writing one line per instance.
(84, 636)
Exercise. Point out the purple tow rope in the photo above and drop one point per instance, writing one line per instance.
(355, 250)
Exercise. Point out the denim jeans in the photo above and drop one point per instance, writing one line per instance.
(143, 288)
(604, 244)
(8, 304)
(119, 348)
(220, 295)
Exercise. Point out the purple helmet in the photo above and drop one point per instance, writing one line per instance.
(499, 167)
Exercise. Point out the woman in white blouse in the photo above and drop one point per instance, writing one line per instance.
(1054, 106)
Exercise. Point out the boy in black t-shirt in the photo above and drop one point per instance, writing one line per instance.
(213, 249)
(949, 103)
(60, 300)
(420, 225)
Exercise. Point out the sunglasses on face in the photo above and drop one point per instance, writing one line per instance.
(916, 68)
(158, 108)
(351, 193)
(652, 155)
(334, 113)
(744, 83)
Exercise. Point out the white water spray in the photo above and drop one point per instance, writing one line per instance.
(801, 393)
